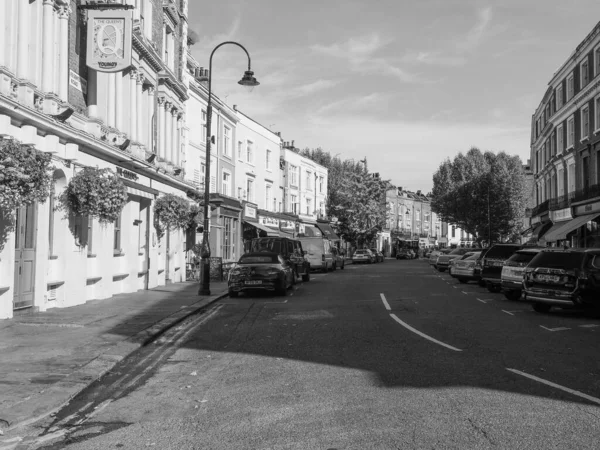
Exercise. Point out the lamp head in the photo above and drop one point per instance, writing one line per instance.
(248, 80)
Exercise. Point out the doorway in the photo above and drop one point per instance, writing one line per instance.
(25, 232)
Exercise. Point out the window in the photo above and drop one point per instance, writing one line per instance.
(561, 182)
(453, 231)
(169, 48)
(570, 87)
(196, 177)
(268, 160)
(322, 208)
(553, 144)
(51, 221)
(240, 150)
(585, 123)
(294, 205)
(226, 141)
(570, 132)
(213, 184)
(268, 196)
(293, 175)
(559, 97)
(226, 183)
(597, 114)
(240, 193)
(308, 206)
(250, 190)
(308, 180)
(321, 180)
(597, 60)
(228, 237)
(250, 152)
(560, 140)
(584, 73)
(280, 209)
(571, 180)
(90, 233)
(204, 126)
(586, 172)
(117, 235)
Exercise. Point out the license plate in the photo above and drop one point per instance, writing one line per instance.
(254, 282)
(550, 278)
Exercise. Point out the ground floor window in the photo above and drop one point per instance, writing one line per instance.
(230, 227)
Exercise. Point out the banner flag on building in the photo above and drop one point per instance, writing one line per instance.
(109, 40)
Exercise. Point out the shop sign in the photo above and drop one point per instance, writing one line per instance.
(587, 209)
(109, 40)
(268, 221)
(249, 211)
(123, 173)
(286, 225)
(560, 215)
(77, 82)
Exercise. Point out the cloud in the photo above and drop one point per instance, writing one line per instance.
(210, 42)
(350, 106)
(435, 58)
(475, 35)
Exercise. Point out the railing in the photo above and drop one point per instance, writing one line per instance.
(587, 193)
(541, 208)
(561, 202)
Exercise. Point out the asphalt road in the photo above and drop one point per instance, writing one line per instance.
(382, 356)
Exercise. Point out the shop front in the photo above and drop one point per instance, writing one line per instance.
(584, 229)
(560, 220)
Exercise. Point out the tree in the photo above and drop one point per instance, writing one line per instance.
(482, 193)
(355, 197)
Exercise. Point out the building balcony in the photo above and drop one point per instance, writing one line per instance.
(586, 193)
(561, 202)
(540, 209)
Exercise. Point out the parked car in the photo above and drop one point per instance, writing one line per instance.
(318, 253)
(479, 266)
(463, 269)
(434, 255)
(339, 260)
(362, 255)
(513, 269)
(443, 261)
(291, 251)
(378, 255)
(492, 262)
(405, 253)
(563, 278)
(261, 271)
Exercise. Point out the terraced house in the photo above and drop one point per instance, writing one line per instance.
(565, 151)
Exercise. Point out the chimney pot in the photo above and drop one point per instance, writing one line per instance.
(235, 107)
(293, 144)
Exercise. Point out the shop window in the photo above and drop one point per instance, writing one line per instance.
(117, 235)
(89, 220)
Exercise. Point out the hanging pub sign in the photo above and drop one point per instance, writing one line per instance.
(109, 40)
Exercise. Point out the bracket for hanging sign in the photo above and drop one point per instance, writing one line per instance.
(104, 5)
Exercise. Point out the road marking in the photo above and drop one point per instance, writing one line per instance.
(589, 325)
(271, 303)
(483, 301)
(466, 293)
(557, 386)
(408, 327)
(555, 329)
(385, 303)
(509, 312)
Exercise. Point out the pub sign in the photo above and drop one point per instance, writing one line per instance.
(109, 40)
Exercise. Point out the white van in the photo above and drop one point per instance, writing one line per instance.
(318, 253)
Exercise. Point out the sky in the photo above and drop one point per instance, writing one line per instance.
(404, 83)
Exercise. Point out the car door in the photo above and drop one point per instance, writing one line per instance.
(593, 270)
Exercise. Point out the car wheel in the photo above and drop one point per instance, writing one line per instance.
(343, 265)
(440, 269)
(233, 294)
(306, 276)
(282, 289)
(481, 283)
(294, 275)
(541, 307)
(463, 281)
(334, 267)
(513, 295)
(493, 288)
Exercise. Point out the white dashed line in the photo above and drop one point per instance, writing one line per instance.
(555, 329)
(408, 327)
(507, 312)
(589, 325)
(483, 301)
(385, 303)
(557, 386)
(466, 293)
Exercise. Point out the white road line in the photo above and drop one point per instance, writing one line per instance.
(466, 293)
(408, 327)
(589, 325)
(507, 312)
(557, 386)
(483, 301)
(555, 329)
(385, 303)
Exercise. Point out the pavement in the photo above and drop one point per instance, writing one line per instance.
(47, 358)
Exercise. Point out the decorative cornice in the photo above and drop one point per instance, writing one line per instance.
(172, 13)
(177, 87)
(146, 52)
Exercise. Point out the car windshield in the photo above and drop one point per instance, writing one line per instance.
(259, 259)
(557, 260)
(501, 251)
(472, 256)
(360, 252)
(458, 251)
(522, 257)
(266, 245)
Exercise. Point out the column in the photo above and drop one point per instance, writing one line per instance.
(151, 118)
(63, 70)
(111, 97)
(3, 32)
(23, 40)
(139, 108)
(92, 91)
(174, 113)
(178, 159)
(119, 113)
(48, 47)
(160, 132)
(133, 74)
(168, 130)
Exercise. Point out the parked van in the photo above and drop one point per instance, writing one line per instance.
(318, 252)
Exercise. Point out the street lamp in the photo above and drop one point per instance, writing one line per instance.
(249, 81)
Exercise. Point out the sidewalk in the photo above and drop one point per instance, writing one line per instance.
(47, 358)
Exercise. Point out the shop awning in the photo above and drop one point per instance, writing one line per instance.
(568, 227)
(538, 231)
(549, 235)
(267, 230)
(327, 231)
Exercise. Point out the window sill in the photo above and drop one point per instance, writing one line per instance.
(55, 283)
(596, 132)
(91, 255)
(118, 253)
(120, 276)
(569, 148)
(585, 139)
(52, 257)
(92, 280)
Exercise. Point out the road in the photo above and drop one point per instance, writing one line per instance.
(382, 356)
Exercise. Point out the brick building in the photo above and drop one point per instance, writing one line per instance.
(565, 151)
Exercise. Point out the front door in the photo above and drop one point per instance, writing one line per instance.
(25, 227)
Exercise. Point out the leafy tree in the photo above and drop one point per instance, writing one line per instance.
(483, 193)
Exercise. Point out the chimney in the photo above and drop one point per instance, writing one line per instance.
(293, 144)
(278, 133)
(235, 108)
(419, 192)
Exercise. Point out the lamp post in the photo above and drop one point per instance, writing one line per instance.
(249, 81)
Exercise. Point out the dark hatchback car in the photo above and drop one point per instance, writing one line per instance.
(264, 271)
(565, 278)
(290, 250)
(492, 262)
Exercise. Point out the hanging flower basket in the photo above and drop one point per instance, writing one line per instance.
(171, 211)
(25, 175)
(95, 192)
(195, 217)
